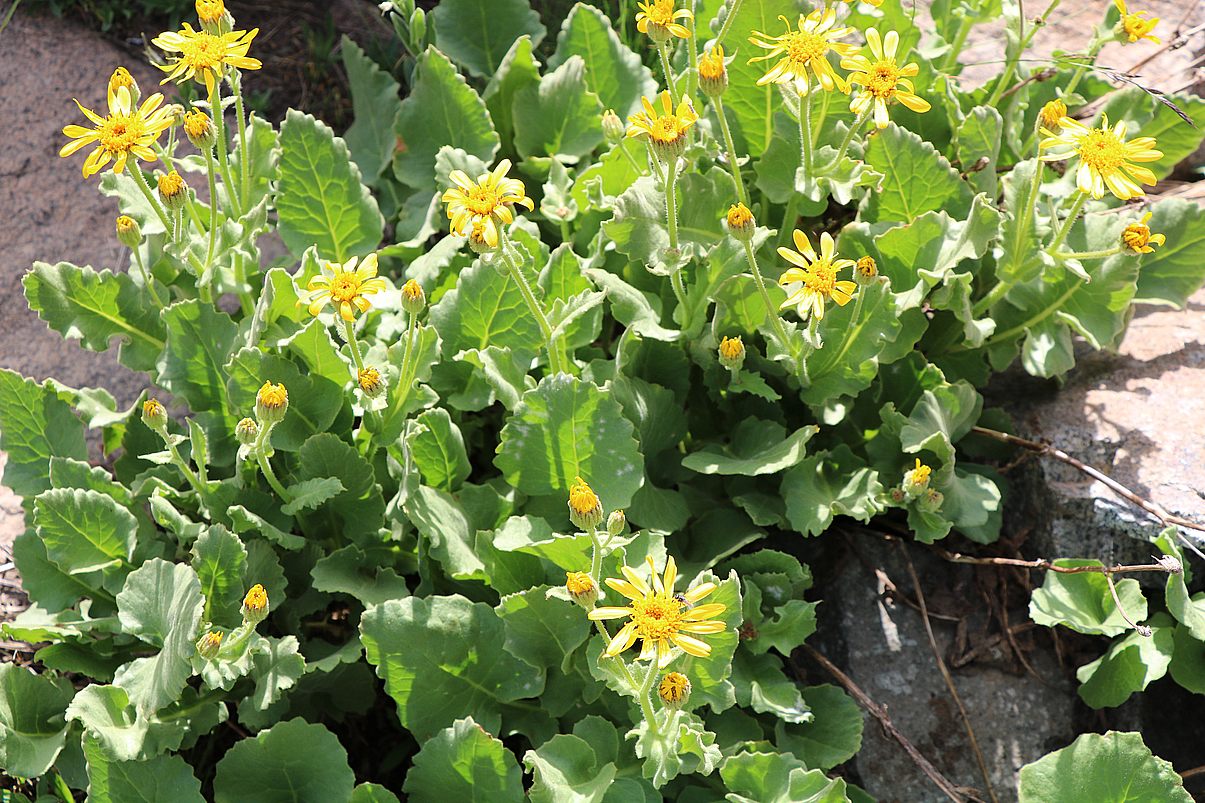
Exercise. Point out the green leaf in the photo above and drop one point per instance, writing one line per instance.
(106, 714)
(442, 109)
(1188, 657)
(161, 604)
(291, 762)
(35, 425)
(319, 198)
(1083, 602)
(517, 70)
(199, 341)
(443, 658)
(566, 771)
(849, 359)
(311, 494)
(1173, 272)
(476, 34)
(637, 226)
(683, 746)
(709, 676)
(561, 117)
(485, 308)
(1179, 604)
(32, 724)
(613, 72)
(275, 668)
(359, 509)
(464, 763)
(437, 448)
(940, 419)
(95, 307)
(829, 484)
(772, 459)
(84, 531)
(977, 143)
(158, 778)
(373, 793)
(761, 685)
(219, 558)
(916, 179)
(630, 307)
(777, 778)
(1130, 665)
(542, 630)
(567, 428)
(450, 537)
(832, 737)
(350, 571)
(314, 400)
(752, 107)
(375, 106)
(1102, 768)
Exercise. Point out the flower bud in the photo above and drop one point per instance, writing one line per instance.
(612, 126)
(616, 522)
(740, 222)
(477, 240)
(418, 26)
(129, 233)
(255, 605)
(173, 191)
(585, 510)
(897, 495)
(154, 415)
(930, 501)
(209, 644)
(211, 14)
(413, 298)
(371, 382)
(121, 77)
(271, 403)
(1137, 237)
(200, 129)
(732, 353)
(246, 431)
(916, 481)
(674, 690)
(581, 587)
(713, 74)
(866, 270)
(1052, 112)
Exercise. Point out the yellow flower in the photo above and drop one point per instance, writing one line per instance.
(882, 80)
(271, 403)
(805, 50)
(205, 56)
(713, 73)
(345, 288)
(1105, 157)
(580, 586)
(916, 481)
(210, 12)
(255, 604)
(585, 509)
(816, 276)
(740, 222)
(1052, 112)
(658, 20)
(1137, 236)
(660, 618)
(666, 129)
(674, 690)
(1134, 26)
(370, 382)
(121, 77)
(128, 130)
(199, 129)
(732, 353)
(488, 201)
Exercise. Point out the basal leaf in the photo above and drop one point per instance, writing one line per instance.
(476, 34)
(219, 558)
(32, 724)
(613, 71)
(199, 341)
(437, 448)
(1130, 665)
(359, 510)
(464, 763)
(751, 106)
(1102, 768)
(560, 117)
(1083, 602)
(84, 531)
(777, 457)
(291, 762)
(35, 425)
(916, 179)
(829, 484)
(375, 106)
(1173, 273)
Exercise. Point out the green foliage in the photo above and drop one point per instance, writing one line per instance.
(1102, 767)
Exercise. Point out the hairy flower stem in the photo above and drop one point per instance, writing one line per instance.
(1014, 59)
(646, 706)
(265, 465)
(1108, 252)
(213, 208)
(655, 162)
(168, 226)
(349, 332)
(805, 133)
(1026, 211)
(1065, 229)
(663, 50)
(537, 312)
(849, 137)
(736, 6)
(734, 167)
(193, 480)
(671, 222)
(147, 278)
(771, 310)
(219, 124)
(244, 165)
(692, 75)
(623, 148)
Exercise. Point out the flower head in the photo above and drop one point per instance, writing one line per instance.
(866, 269)
(204, 56)
(1105, 158)
(916, 480)
(371, 382)
(882, 80)
(413, 298)
(815, 276)
(666, 129)
(210, 12)
(154, 415)
(674, 690)
(732, 353)
(1052, 112)
(246, 431)
(209, 644)
(660, 618)
(585, 509)
(659, 20)
(581, 587)
(128, 232)
(121, 77)
(255, 604)
(612, 126)
(1138, 238)
(1133, 27)
(740, 222)
(271, 403)
(345, 287)
(488, 201)
(713, 72)
(616, 522)
(128, 130)
(172, 190)
(803, 51)
(199, 129)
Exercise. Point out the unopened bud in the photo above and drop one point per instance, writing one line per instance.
(741, 224)
(418, 26)
(612, 126)
(271, 403)
(585, 510)
(581, 587)
(732, 353)
(211, 13)
(129, 233)
(255, 605)
(246, 431)
(674, 690)
(154, 415)
(866, 270)
(209, 644)
(930, 501)
(916, 480)
(121, 77)
(173, 191)
(413, 298)
(200, 129)
(616, 522)
(713, 74)
(1052, 112)
(371, 382)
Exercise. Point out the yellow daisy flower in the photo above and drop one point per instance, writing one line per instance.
(205, 56)
(346, 287)
(882, 80)
(1138, 238)
(815, 276)
(805, 50)
(1104, 157)
(483, 204)
(127, 130)
(659, 20)
(660, 618)
(1135, 26)
(667, 129)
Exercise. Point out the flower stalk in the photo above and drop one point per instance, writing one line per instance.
(537, 312)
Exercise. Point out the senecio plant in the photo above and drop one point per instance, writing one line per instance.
(469, 490)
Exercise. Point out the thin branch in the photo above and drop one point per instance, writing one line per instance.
(1050, 566)
(1142, 630)
(945, 673)
(1194, 771)
(880, 713)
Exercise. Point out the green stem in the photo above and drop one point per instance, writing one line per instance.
(1065, 229)
(805, 133)
(960, 39)
(1031, 200)
(145, 188)
(663, 49)
(849, 137)
(736, 6)
(566, 236)
(693, 51)
(244, 167)
(266, 466)
(623, 148)
(646, 707)
(1108, 252)
(1014, 59)
(656, 162)
(349, 332)
(1077, 76)
(988, 301)
(734, 167)
(188, 473)
(147, 278)
(771, 310)
(213, 207)
(788, 219)
(516, 272)
(1037, 318)
(671, 203)
(219, 124)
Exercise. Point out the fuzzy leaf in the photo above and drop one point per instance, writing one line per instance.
(291, 762)
(476, 34)
(1102, 768)
(464, 763)
(613, 71)
(560, 117)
